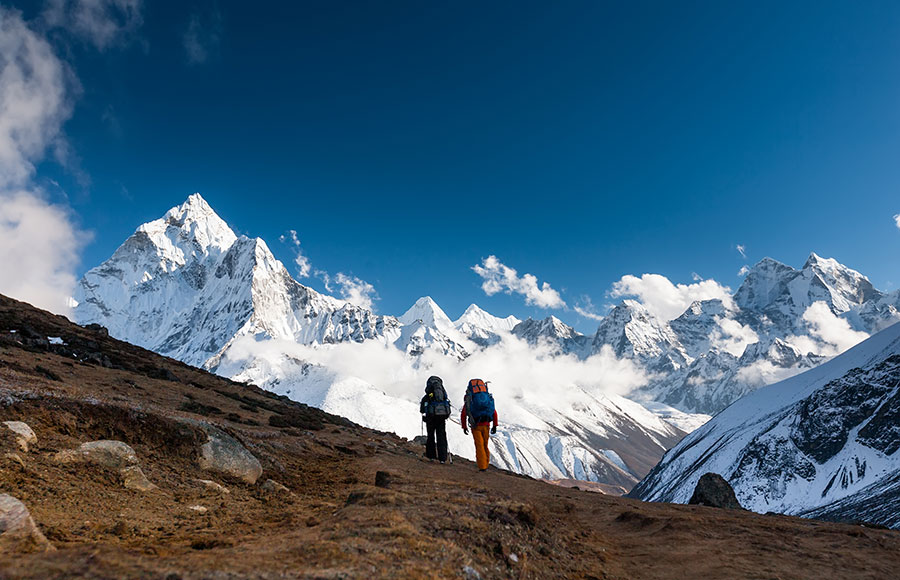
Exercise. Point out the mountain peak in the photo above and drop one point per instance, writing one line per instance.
(426, 310)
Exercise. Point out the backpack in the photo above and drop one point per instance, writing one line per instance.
(480, 401)
(435, 403)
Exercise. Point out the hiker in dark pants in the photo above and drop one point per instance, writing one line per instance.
(477, 413)
(435, 408)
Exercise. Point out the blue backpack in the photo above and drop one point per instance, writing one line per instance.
(481, 402)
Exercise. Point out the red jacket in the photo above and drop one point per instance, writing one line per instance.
(462, 418)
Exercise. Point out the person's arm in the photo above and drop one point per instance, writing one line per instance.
(494, 430)
(462, 420)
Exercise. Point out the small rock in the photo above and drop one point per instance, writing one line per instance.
(109, 454)
(18, 532)
(272, 486)
(471, 573)
(24, 435)
(514, 558)
(15, 458)
(134, 478)
(199, 509)
(712, 490)
(213, 487)
(382, 479)
(225, 454)
(420, 439)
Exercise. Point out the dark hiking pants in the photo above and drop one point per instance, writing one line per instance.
(437, 428)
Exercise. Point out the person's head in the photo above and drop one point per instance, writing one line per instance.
(433, 381)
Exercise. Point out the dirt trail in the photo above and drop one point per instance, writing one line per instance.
(432, 521)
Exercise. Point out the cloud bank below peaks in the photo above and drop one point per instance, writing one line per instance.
(497, 277)
(665, 299)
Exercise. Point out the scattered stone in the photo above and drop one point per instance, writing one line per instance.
(312, 521)
(199, 509)
(225, 454)
(712, 490)
(18, 532)
(15, 458)
(134, 478)
(471, 573)
(23, 433)
(213, 487)
(382, 479)
(420, 439)
(108, 454)
(272, 486)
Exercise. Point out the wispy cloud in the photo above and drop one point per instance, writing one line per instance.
(897, 220)
(742, 250)
(585, 307)
(301, 260)
(501, 278)
(103, 23)
(356, 291)
(665, 299)
(745, 269)
(202, 38)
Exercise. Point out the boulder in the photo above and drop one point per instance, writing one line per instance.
(23, 434)
(108, 454)
(18, 532)
(712, 490)
(224, 454)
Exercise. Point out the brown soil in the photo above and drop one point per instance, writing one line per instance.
(432, 521)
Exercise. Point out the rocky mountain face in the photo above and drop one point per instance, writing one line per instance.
(187, 287)
(823, 443)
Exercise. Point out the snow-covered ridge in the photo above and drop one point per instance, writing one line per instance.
(823, 442)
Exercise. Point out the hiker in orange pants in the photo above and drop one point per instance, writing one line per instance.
(477, 413)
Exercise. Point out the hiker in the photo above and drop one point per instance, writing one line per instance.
(435, 409)
(479, 410)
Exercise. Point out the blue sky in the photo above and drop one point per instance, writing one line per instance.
(405, 142)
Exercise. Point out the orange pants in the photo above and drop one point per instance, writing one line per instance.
(482, 434)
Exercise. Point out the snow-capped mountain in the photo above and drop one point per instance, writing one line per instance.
(822, 443)
(482, 328)
(553, 331)
(186, 286)
(780, 322)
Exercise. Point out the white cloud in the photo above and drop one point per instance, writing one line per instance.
(38, 247)
(33, 98)
(587, 309)
(519, 373)
(897, 220)
(103, 23)
(763, 373)
(742, 249)
(202, 37)
(745, 269)
(833, 333)
(732, 336)
(355, 291)
(501, 278)
(301, 261)
(39, 243)
(667, 300)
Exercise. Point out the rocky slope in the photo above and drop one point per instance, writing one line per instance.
(822, 443)
(315, 510)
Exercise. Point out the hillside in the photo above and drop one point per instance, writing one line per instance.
(72, 385)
